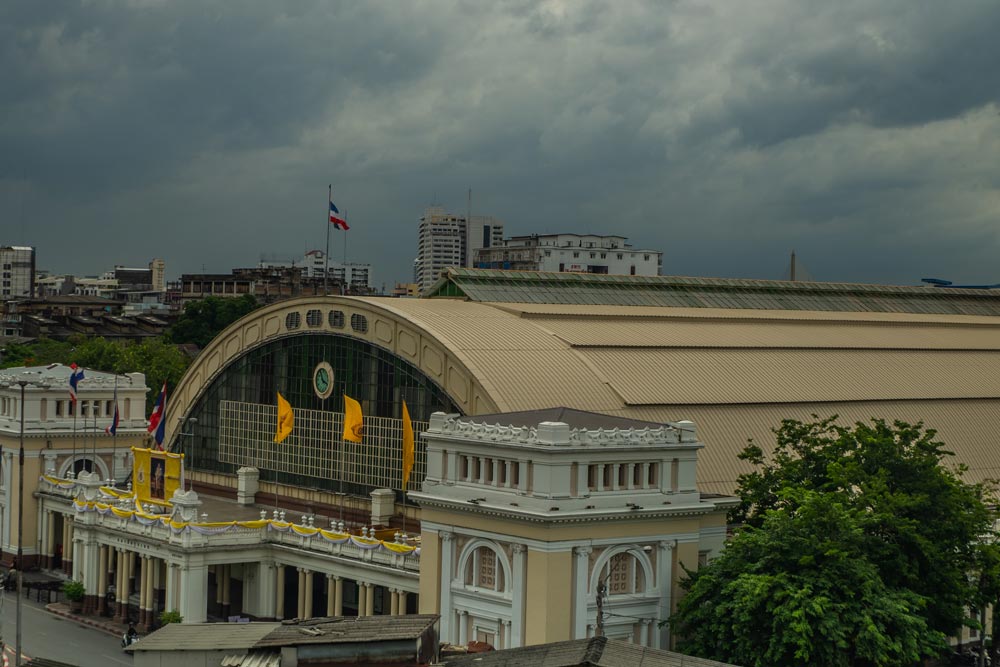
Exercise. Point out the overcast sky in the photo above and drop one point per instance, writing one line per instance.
(865, 135)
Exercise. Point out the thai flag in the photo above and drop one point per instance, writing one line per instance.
(76, 374)
(156, 420)
(336, 218)
(112, 429)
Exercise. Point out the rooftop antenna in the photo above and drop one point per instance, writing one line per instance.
(792, 267)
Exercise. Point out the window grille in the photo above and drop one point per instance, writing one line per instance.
(314, 318)
(336, 319)
(293, 321)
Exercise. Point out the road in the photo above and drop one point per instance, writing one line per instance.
(49, 636)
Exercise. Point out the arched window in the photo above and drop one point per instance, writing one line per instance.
(484, 571)
(624, 575)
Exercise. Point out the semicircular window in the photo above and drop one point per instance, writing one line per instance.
(337, 319)
(314, 318)
(359, 323)
(293, 321)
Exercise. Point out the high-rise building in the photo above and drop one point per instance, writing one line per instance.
(579, 253)
(446, 239)
(17, 278)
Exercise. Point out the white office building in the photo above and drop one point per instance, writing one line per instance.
(18, 272)
(357, 275)
(449, 240)
(580, 253)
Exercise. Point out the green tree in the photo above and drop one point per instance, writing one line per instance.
(202, 320)
(800, 590)
(158, 360)
(920, 537)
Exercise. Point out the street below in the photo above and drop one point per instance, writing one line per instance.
(46, 635)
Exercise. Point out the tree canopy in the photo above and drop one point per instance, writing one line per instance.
(202, 320)
(157, 359)
(857, 546)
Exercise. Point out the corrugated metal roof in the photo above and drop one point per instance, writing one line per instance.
(939, 368)
(204, 636)
(348, 629)
(485, 285)
(596, 652)
(656, 376)
(253, 659)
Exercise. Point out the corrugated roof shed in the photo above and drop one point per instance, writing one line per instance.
(204, 637)
(347, 629)
(593, 652)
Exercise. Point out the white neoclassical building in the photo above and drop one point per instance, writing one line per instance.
(527, 516)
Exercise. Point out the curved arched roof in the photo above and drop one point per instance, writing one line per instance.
(735, 372)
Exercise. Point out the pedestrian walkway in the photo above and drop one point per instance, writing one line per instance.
(99, 622)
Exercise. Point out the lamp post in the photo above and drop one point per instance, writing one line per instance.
(20, 529)
(602, 591)
(188, 424)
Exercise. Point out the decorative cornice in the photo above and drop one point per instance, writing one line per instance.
(529, 435)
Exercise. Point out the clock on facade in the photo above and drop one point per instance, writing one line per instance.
(323, 380)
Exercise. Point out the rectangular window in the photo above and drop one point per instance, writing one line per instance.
(592, 477)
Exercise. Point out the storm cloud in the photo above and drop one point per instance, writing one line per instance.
(864, 135)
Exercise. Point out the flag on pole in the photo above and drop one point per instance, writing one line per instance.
(407, 446)
(156, 420)
(75, 375)
(286, 420)
(336, 218)
(353, 419)
(112, 428)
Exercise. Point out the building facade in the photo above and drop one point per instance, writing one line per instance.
(355, 275)
(558, 524)
(449, 240)
(578, 253)
(17, 272)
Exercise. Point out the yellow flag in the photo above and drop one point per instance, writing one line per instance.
(286, 420)
(407, 446)
(353, 420)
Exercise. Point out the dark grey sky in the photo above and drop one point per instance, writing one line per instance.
(865, 135)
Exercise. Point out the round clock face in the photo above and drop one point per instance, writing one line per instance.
(323, 380)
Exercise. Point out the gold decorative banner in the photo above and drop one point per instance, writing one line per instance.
(156, 475)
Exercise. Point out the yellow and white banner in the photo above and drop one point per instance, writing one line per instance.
(156, 475)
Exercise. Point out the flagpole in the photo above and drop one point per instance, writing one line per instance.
(114, 437)
(343, 287)
(326, 268)
(72, 466)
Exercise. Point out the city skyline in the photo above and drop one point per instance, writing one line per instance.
(864, 136)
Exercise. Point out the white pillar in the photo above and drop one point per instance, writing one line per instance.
(581, 576)
(170, 603)
(394, 603)
(402, 603)
(370, 600)
(517, 601)
(194, 593)
(331, 596)
(300, 599)
(338, 596)
(665, 577)
(307, 605)
(463, 628)
(506, 634)
(362, 598)
(644, 632)
(448, 633)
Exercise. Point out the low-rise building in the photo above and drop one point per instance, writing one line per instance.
(578, 253)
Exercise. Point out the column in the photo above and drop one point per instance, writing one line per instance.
(448, 633)
(394, 604)
(363, 598)
(644, 632)
(581, 586)
(463, 628)
(517, 601)
(119, 584)
(307, 606)
(50, 537)
(65, 543)
(154, 590)
(630, 477)
(370, 600)
(127, 584)
(170, 601)
(522, 486)
(331, 596)
(582, 483)
(102, 580)
(193, 595)
(143, 590)
(300, 599)
(402, 602)
(506, 634)
(149, 578)
(506, 473)
(644, 483)
(665, 577)
(279, 587)
(338, 596)
(226, 585)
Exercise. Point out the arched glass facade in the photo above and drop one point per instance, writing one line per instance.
(374, 376)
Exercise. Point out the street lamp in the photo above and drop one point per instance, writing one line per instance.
(20, 529)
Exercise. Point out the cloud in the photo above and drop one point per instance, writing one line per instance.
(861, 134)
